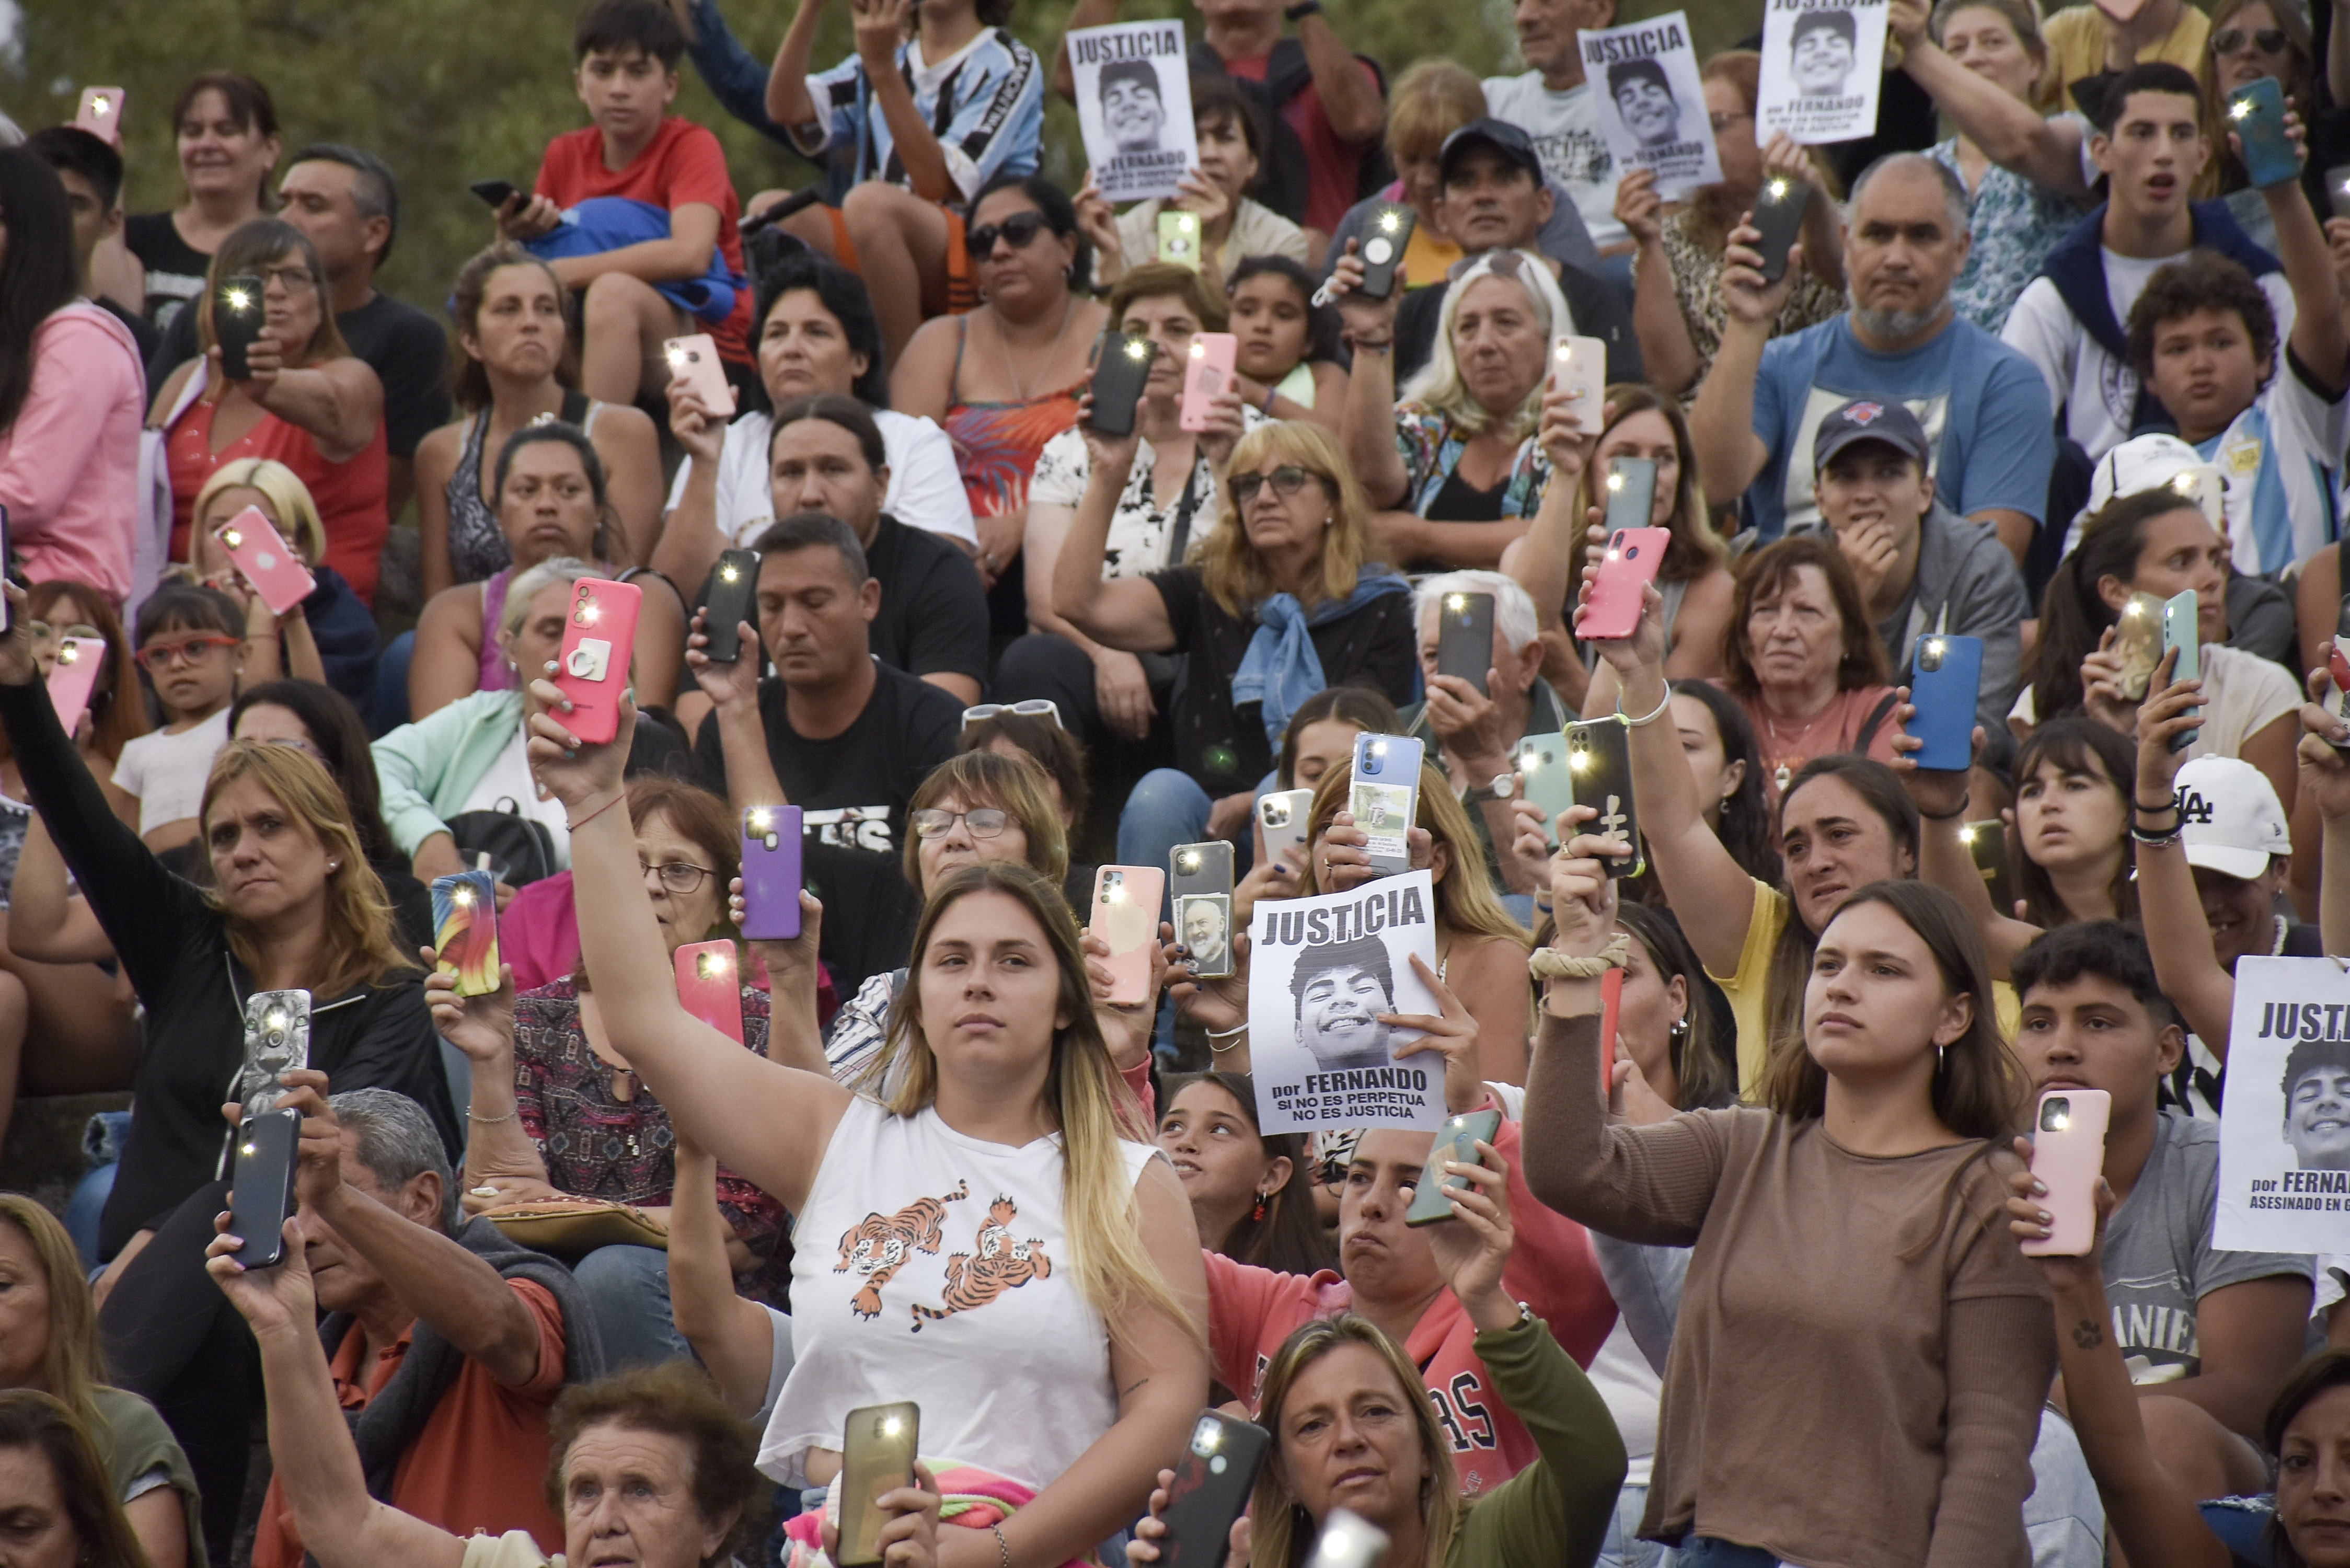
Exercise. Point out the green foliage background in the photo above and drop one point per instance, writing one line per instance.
(450, 91)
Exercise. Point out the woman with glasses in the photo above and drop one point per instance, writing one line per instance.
(305, 400)
(2251, 39)
(558, 1114)
(191, 641)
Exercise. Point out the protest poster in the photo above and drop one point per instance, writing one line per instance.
(2284, 1127)
(1652, 103)
(1821, 62)
(1321, 970)
(1134, 105)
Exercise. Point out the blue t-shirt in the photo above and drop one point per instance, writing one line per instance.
(1979, 400)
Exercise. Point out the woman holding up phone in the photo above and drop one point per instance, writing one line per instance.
(1057, 1329)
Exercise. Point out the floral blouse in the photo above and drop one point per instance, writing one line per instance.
(1697, 277)
(1430, 448)
(2015, 223)
(1140, 529)
(597, 1144)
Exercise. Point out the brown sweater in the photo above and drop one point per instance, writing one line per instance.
(1836, 1393)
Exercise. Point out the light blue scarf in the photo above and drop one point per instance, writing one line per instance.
(1281, 669)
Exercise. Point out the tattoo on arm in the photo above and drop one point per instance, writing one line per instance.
(2088, 1334)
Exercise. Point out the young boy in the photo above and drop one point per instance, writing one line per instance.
(928, 121)
(91, 172)
(640, 294)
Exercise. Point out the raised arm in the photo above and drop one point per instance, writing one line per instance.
(1366, 425)
(788, 104)
(1539, 562)
(2325, 781)
(339, 402)
(2011, 132)
(2318, 339)
(2176, 929)
(733, 1338)
(880, 25)
(1657, 319)
(1087, 14)
(499, 1151)
(1122, 612)
(734, 693)
(1350, 94)
(1721, 421)
(1943, 859)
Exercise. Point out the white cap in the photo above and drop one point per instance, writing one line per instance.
(2230, 816)
(2153, 462)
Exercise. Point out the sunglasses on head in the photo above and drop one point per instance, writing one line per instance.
(1027, 708)
(2267, 40)
(1019, 231)
(1497, 264)
(1286, 479)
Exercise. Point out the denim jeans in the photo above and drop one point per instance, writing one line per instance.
(1705, 1552)
(1624, 1548)
(737, 77)
(627, 1288)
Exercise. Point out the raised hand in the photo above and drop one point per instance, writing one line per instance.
(269, 1299)
(1582, 894)
(2171, 708)
(1452, 1036)
(480, 1026)
(723, 683)
(1745, 297)
(1471, 1251)
(583, 777)
(2029, 1222)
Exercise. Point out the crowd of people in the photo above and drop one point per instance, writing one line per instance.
(1744, 1272)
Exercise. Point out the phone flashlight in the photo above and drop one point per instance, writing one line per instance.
(711, 964)
(244, 1148)
(2240, 110)
(729, 573)
(1615, 481)
(275, 1021)
(232, 538)
(1199, 349)
(1191, 862)
(1379, 748)
(1135, 347)
(462, 897)
(238, 299)
(1456, 601)
(69, 653)
(762, 818)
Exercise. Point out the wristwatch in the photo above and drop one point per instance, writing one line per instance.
(1302, 9)
(1502, 787)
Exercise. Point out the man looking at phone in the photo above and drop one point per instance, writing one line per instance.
(2216, 1330)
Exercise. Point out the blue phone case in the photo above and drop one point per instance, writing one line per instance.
(1948, 680)
(2182, 630)
(2256, 114)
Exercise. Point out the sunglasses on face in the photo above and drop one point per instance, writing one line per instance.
(1287, 480)
(1019, 231)
(2267, 40)
(158, 657)
(933, 821)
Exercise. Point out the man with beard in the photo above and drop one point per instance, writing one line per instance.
(1643, 96)
(1131, 109)
(1982, 403)
(1341, 988)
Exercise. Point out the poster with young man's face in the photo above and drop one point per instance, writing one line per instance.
(1652, 101)
(1134, 105)
(1822, 63)
(1325, 975)
(2284, 1128)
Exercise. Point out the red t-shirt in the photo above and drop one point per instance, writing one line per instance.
(682, 165)
(349, 495)
(1332, 164)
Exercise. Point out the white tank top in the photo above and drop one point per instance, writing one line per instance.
(935, 1267)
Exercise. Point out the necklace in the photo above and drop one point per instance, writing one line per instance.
(1068, 314)
(1791, 756)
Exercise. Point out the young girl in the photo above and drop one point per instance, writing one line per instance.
(1288, 347)
(330, 637)
(192, 642)
(1251, 1193)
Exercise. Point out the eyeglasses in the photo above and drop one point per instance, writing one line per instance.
(162, 656)
(677, 876)
(2267, 40)
(43, 631)
(1286, 479)
(935, 821)
(292, 279)
(1019, 231)
(1026, 708)
(1497, 264)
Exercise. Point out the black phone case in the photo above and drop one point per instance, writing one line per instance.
(1379, 265)
(261, 1196)
(1118, 380)
(1210, 1490)
(1599, 765)
(1779, 220)
(1464, 638)
(496, 192)
(726, 604)
(234, 328)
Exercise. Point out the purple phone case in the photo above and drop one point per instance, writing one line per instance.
(770, 878)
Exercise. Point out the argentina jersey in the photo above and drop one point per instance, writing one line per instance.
(2282, 458)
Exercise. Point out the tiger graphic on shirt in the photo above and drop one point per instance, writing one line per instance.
(998, 1263)
(877, 1246)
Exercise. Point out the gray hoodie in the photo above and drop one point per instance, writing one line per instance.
(1967, 585)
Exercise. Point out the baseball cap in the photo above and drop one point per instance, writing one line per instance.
(2152, 462)
(1886, 419)
(1503, 138)
(2229, 817)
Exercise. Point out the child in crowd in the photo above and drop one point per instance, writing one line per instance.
(191, 642)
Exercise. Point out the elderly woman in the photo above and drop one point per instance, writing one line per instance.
(1803, 661)
(1275, 604)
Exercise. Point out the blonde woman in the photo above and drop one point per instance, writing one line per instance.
(330, 637)
(1047, 1316)
(1274, 604)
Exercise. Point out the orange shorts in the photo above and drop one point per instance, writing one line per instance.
(963, 287)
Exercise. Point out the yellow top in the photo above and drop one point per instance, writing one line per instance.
(2076, 43)
(1427, 257)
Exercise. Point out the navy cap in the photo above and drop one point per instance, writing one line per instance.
(1512, 142)
(1886, 419)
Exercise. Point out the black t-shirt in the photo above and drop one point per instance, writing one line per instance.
(933, 617)
(852, 791)
(1224, 747)
(1598, 311)
(175, 269)
(143, 331)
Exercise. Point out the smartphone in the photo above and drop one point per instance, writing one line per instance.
(1779, 218)
(1542, 777)
(1457, 1139)
(261, 1186)
(2336, 702)
(1283, 816)
(264, 559)
(2256, 114)
(1384, 797)
(1464, 637)
(592, 670)
(1215, 360)
(1613, 610)
(1986, 845)
(1599, 771)
(726, 604)
(1201, 888)
(771, 872)
(1944, 688)
(2338, 190)
(1388, 236)
(101, 114)
(1178, 239)
(1348, 1540)
(1579, 365)
(1119, 378)
(237, 316)
(877, 1456)
(2068, 1153)
(465, 931)
(276, 1041)
(2138, 641)
(1126, 916)
(2180, 623)
(710, 985)
(72, 679)
(496, 192)
(693, 359)
(1211, 1490)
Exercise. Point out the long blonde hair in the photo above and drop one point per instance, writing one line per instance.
(1466, 903)
(1231, 569)
(360, 946)
(1088, 1101)
(73, 1365)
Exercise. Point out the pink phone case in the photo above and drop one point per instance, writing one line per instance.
(101, 114)
(74, 676)
(1215, 357)
(1631, 565)
(1580, 364)
(709, 986)
(2068, 1151)
(695, 360)
(262, 558)
(598, 638)
(1125, 915)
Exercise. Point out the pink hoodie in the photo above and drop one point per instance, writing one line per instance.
(69, 465)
